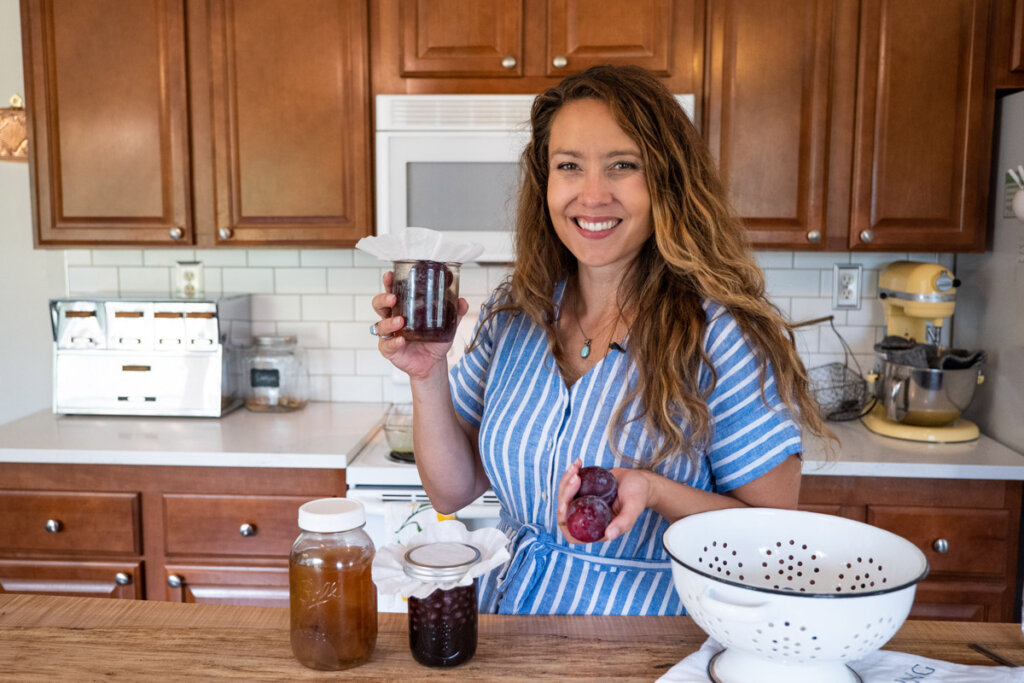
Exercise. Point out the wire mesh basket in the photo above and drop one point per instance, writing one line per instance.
(840, 390)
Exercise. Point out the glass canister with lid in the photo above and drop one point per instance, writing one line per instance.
(276, 376)
(443, 625)
(333, 599)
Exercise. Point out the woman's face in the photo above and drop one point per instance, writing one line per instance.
(597, 193)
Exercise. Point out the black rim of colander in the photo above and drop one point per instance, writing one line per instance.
(799, 594)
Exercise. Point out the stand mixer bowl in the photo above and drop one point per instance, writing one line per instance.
(926, 397)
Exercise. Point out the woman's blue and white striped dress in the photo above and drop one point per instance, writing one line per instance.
(532, 427)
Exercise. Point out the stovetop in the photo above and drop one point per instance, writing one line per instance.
(374, 466)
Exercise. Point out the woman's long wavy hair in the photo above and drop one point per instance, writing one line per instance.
(698, 251)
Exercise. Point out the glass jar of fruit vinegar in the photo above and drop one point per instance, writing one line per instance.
(427, 296)
(333, 599)
(442, 626)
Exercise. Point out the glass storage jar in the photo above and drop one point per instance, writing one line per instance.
(275, 374)
(427, 296)
(333, 599)
(442, 626)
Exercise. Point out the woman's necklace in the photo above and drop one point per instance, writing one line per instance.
(587, 341)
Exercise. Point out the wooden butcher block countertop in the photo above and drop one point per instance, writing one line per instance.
(62, 638)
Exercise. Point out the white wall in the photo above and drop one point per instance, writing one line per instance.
(990, 305)
(28, 277)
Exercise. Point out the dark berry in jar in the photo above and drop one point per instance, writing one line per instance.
(443, 626)
(426, 295)
(588, 517)
(597, 481)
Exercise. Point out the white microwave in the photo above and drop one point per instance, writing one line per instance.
(451, 163)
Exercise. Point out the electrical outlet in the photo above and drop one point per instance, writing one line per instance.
(846, 285)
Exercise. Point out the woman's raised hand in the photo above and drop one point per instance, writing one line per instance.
(416, 359)
(634, 493)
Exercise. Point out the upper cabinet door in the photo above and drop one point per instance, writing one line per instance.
(770, 63)
(108, 121)
(923, 127)
(281, 109)
(583, 33)
(455, 37)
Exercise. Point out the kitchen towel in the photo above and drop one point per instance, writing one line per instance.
(881, 666)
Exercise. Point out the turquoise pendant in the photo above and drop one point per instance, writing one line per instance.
(585, 351)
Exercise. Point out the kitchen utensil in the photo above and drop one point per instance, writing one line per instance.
(792, 595)
(994, 656)
(840, 390)
(927, 397)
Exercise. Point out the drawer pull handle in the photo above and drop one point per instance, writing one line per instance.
(174, 581)
(560, 62)
(122, 579)
(247, 530)
(941, 545)
(54, 526)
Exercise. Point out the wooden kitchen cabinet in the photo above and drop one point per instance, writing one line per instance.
(968, 530)
(841, 125)
(198, 122)
(183, 534)
(1006, 51)
(525, 46)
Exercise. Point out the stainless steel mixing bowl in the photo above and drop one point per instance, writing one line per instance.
(926, 397)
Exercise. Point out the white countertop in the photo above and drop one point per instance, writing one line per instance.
(328, 435)
(321, 435)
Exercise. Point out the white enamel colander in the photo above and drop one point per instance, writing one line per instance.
(793, 596)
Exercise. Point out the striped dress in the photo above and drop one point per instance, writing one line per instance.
(532, 427)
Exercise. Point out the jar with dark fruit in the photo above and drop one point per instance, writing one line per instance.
(333, 599)
(427, 296)
(442, 626)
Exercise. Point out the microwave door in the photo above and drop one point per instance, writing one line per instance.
(461, 184)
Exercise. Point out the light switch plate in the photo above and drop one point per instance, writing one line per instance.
(847, 280)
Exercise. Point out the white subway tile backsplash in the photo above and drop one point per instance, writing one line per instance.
(276, 307)
(355, 280)
(273, 257)
(326, 307)
(323, 297)
(248, 280)
(300, 280)
(138, 280)
(89, 279)
(117, 257)
(351, 389)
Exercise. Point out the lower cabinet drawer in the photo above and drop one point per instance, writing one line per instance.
(955, 540)
(61, 522)
(230, 525)
(227, 585)
(84, 579)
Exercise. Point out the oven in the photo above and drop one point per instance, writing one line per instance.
(397, 506)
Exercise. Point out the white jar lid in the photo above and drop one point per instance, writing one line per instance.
(444, 561)
(331, 515)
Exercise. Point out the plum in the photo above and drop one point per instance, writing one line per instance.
(588, 517)
(597, 481)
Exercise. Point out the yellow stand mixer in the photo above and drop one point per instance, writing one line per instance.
(917, 402)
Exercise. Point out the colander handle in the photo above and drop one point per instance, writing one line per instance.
(716, 606)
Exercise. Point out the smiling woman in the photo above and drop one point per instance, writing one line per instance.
(633, 334)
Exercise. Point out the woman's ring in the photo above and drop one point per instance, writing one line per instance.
(373, 331)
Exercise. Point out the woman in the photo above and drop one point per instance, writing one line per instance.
(634, 334)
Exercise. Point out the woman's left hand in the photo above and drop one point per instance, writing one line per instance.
(635, 490)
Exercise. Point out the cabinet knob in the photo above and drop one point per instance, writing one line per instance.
(560, 62)
(174, 581)
(247, 530)
(814, 236)
(54, 525)
(867, 236)
(940, 545)
(176, 233)
(225, 233)
(122, 579)
(509, 62)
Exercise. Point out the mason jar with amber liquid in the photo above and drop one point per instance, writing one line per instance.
(333, 599)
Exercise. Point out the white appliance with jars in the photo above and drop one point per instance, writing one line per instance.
(450, 163)
(148, 355)
(384, 478)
